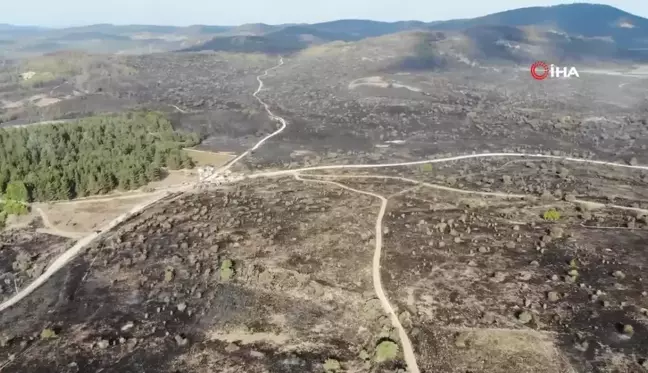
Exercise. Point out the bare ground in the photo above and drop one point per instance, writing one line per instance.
(204, 157)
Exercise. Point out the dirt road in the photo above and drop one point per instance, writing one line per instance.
(408, 350)
(272, 116)
(442, 160)
(51, 228)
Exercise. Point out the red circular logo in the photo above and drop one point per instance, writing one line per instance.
(539, 70)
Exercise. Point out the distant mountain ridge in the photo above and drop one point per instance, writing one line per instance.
(581, 19)
(582, 27)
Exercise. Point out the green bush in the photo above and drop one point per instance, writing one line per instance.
(426, 167)
(551, 215)
(386, 351)
(48, 334)
(3, 218)
(226, 270)
(12, 207)
(332, 366)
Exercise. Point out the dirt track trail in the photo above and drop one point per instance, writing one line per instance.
(53, 230)
(116, 197)
(272, 116)
(443, 160)
(474, 192)
(408, 350)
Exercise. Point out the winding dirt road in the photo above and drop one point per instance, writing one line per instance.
(474, 192)
(408, 350)
(270, 114)
(53, 230)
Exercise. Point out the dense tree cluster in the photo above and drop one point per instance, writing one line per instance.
(92, 155)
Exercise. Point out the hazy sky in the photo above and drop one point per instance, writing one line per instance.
(234, 12)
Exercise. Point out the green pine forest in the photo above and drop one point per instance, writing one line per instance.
(90, 156)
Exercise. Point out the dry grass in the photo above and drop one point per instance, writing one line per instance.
(203, 157)
(246, 337)
(89, 215)
(20, 221)
(173, 178)
(504, 350)
(379, 82)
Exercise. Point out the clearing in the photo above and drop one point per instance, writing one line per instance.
(204, 157)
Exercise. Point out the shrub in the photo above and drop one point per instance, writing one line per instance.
(386, 351)
(332, 366)
(426, 167)
(551, 215)
(48, 334)
(226, 270)
(169, 274)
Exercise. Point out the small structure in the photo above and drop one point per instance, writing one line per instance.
(205, 171)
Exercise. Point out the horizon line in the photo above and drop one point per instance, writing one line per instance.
(117, 24)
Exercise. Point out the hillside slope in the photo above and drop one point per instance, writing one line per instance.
(587, 20)
(571, 32)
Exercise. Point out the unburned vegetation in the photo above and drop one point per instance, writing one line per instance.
(92, 155)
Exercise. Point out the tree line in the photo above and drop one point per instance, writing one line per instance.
(92, 155)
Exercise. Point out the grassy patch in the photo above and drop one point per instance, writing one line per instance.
(204, 158)
(39, 78)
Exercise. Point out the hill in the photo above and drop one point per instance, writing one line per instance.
(12, 31)
(361, 29)
(285, 40)
(566, 31)
(585, 20)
